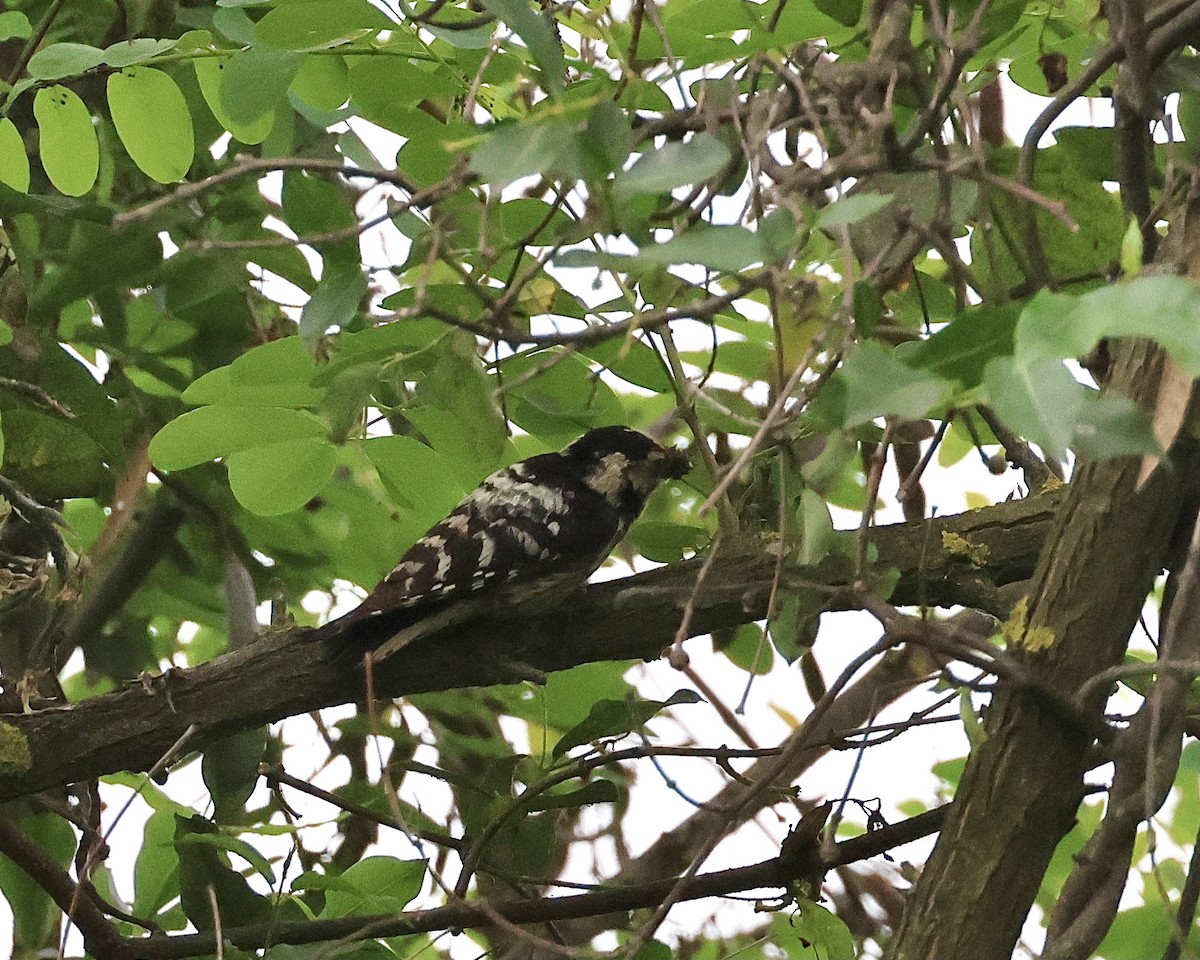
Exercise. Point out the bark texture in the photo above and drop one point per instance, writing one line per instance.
(1023, 785)
(282, 675)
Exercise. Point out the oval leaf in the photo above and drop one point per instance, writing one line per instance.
(312, 24)
(539, 37)
(210, 72)
(615, 718)
(211, 432)
(283, 476)
(64, 60)
(255, 81)
(69, 149)
(139, 50)
(851, 209)
(153, 122)
(15, 25)
(14, 161)
(322, 82)
(675, 165)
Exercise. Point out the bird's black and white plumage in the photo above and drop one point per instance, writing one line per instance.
(535, 530)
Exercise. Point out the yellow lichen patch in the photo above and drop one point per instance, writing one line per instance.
(1013, 629)
(959, 546)
(1038, 638)
(1051, 484)
(14, 751)
(1016, 629)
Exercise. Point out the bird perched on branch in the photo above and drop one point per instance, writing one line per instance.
(531, 532)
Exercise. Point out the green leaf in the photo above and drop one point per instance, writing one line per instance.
(633, 361)
(674, 165)
(281, 477)
(322, 82)
(1091, 152)
(1040, 400)
(69, 149)
(664, 542)
(962, 348)
(779, 235)
(153, 122)
(156, 870)
(603, 144)
(569, 694)
(313, 24)
(816, 528)
(852, 208)
(746, 648)
(515, 150)
(456, 411)
(822, 930)
(373, 885)
(560, 400)
(231, 844)
(384, 89)
(211, 73)
(204, 872)
(274, 374)
(795, 628)
(1111, 426)
(64, 60)
(230, 771)
(654, 950)
(877, 385)
(432, 147)
(728, 248)
(1164, 308)
(1132, 249)
(50, 458)
(138, 50)
(845, 12)
(255, 81)
(917, 196)
(597, 791)
(416, 476)
(234, 23)
(14, 161)
(539, 37)
(211, 432)
(615, 718)
(346, 396)
(14, 25)
(335, 302)
(529, 217)
(35, 916)
(998, 256)
(974, 730)
(1037, 395)
(313, 205)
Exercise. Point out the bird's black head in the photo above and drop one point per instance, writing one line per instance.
(625, 466)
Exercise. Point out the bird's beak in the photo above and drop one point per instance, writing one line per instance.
(671, 463)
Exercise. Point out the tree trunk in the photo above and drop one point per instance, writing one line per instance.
(1022, 786)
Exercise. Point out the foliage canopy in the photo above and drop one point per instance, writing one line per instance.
(284, 279)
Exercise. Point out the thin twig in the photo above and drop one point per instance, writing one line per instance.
(244, 166)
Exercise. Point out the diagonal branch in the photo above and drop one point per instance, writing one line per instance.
(286, 674)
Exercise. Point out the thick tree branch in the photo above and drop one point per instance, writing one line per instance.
(1023, 785)
(282, 675)
(99, 935)
(1021, 788)
(1146, 762)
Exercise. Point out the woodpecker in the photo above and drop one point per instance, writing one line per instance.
(529, 533)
